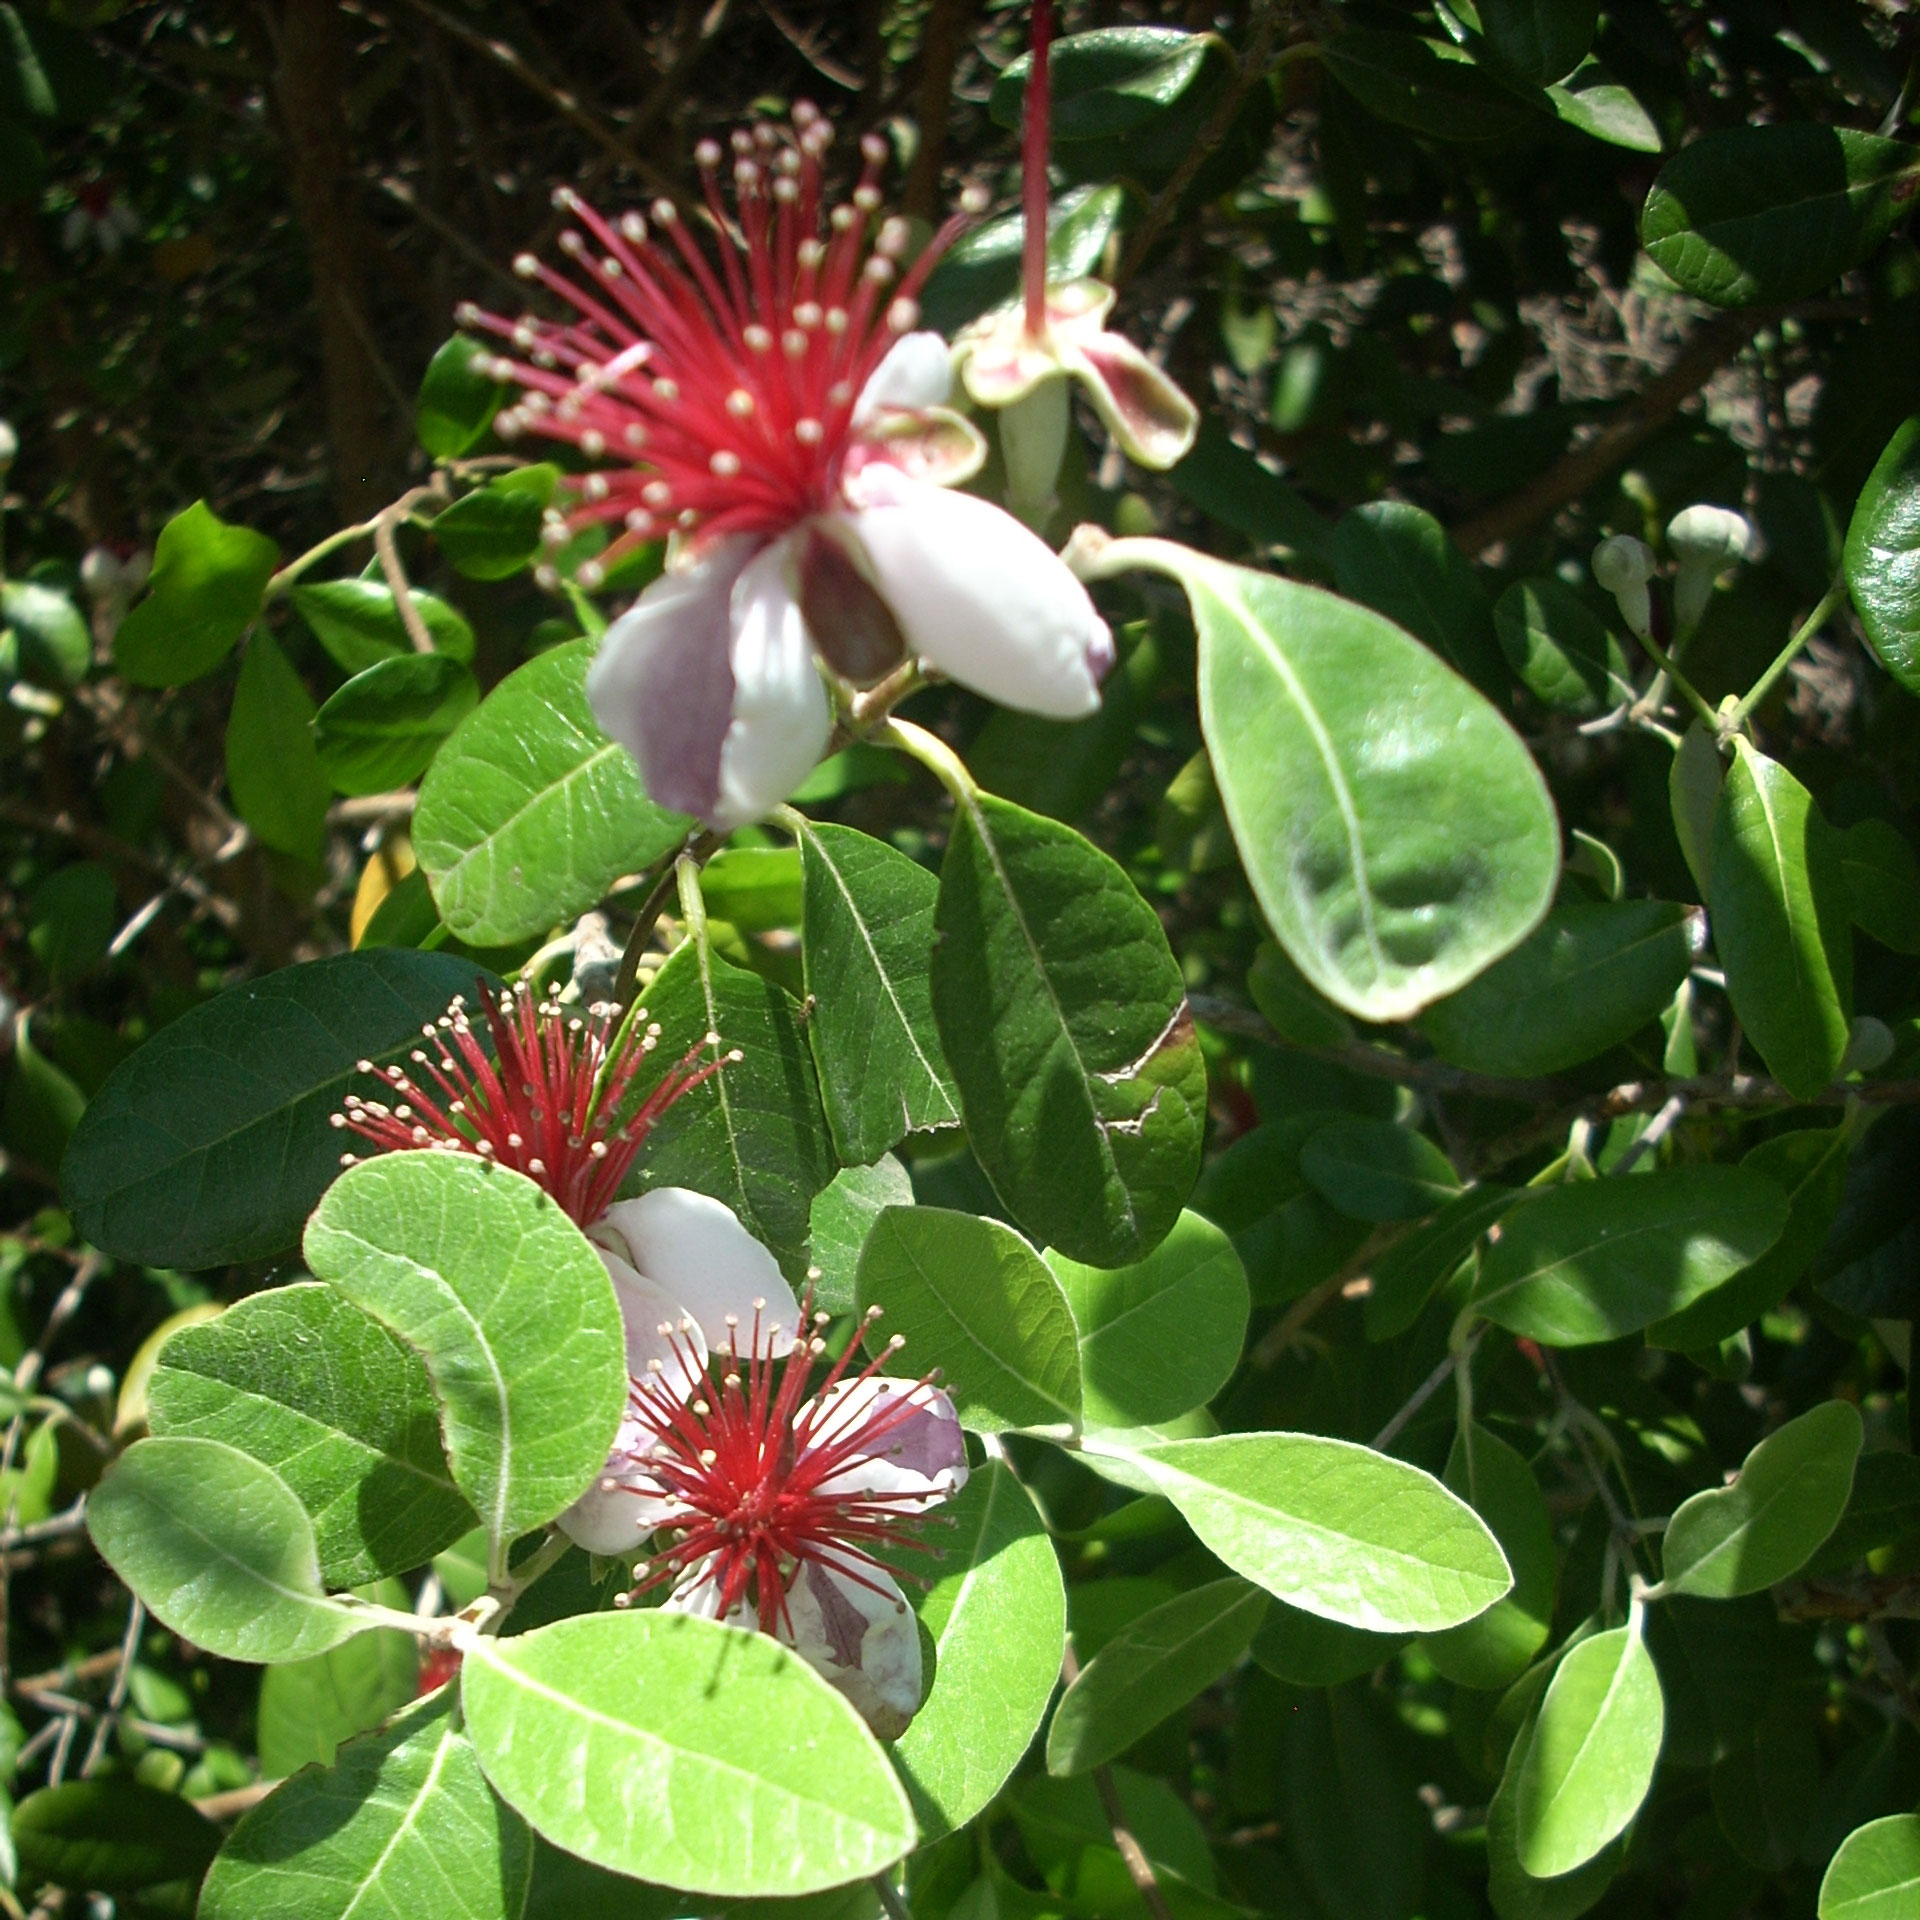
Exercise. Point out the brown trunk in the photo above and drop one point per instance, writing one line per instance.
(309, 85)
(945, 34)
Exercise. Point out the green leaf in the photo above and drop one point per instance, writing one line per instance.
(509, 1307)
(382, 728)
(1598, 1259)
(309, 1708)
(312, 1388)
(1761, 215)
(212, 1142)
(1113, 81)
(43, 637)
(1374, 1170)
(981, 270)
(1781, 923)
(359, 624)
(1228, 484)
(1493, 1650)
(1334, 1528)
(1592, 1755)
(1591, 99)
(973, 1299)
(1883, 883)
(867, 934)
(111, 1835)
(1150, 1669)
(1162, 1336)
(457, 400)
(1398, 560)
(1766, 1790)
(529, 812)
(1587, 978)
(1560, 650)
(273, 771)
(1279, 989)
(1356, 1828)
(1308, 1651)
(754, 888)
(219, 1548)
(1693, 795)
(208, 580)
(1876, 1873)
(753, 1134)
(493, 532)
(1064, 1018)
(841, 1217)
(1883, 556)
(1539, 40)
(771, 1779)
(1409, 1273)
(1396, 848)
(997, 1614)
(1516, 1894)
(71, 918)
(1788, 1496)
(1425, 86)
(1810, 1168)
(403, 1826)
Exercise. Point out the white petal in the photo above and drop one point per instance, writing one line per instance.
(781, 719)
(917, 372)
(661, 683)
(922, 1453)
(982, 598)
(867, 1643)
(626, 1503)
(694, 1249)
(698, 1592)
(646, 1308)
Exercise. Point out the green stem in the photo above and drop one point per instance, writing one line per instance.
(936, 756)
(291, 572)
(1671, 668)
(1814, 621)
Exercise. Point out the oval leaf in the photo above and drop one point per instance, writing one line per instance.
(1151, 1668)
(359, 624)
(273, 772)
(1559, 648)
(1397, 559)
(1788, 1496)
(1876, 1873)
(327, 1398)
(208, 580)
(309, 1708)
(1065, 1019)
(219, 1548)
(970, 1297)
(741, 1771)
(213, 1141)
(1599, 1259)
(1373, 1170)
(504, 1299)
(1883, 556)
(1334, 1528)
(457, 401)
(383, 727)
(112, 1835)
(530, 812)
(493, 532)
(1591, 1760)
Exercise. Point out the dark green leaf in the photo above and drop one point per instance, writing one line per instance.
(1398, 560)
(1587, 978)
(359, 624)
(868, 940)
(1883, 883)
(1591, 99)
(1228, 484)
(1311, 1652)
(1883, 556)
(1766, 214)
(273, 771)
(1767, 1789)
(1113, 81)
(1781, 922)
(493, 532)
(1597, 1259)
(753, 1134)
(343, 1412)
(508, 1305)
(457, 400)
(1064, 1018)
(383, 727)
(1559, 648)
(111, 1835)
(308, 1708)
(213, 1141)
(1425, 86)
(1539, 40)
(1407, 1275)
(529, 812)
(1373, 1170)
(208, 579)
(981, 270)
(1356, 1826)
(218, 1547)
(71, 917)
(973, 1299)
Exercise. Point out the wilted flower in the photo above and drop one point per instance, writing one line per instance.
(766, 1500)
(781, 416)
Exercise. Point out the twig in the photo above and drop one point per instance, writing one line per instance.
(1419, 1397)
(236, 1801)
(1133, 1856)
(384, 524)
(651, 908)
(889, 1897)
(1657, 1130)
(117, 1693)
(365, 809)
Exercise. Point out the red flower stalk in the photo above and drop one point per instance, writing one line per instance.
(733, 391)
(547, 1104)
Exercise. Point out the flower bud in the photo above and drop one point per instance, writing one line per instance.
(1623, 566)
(1706, 541)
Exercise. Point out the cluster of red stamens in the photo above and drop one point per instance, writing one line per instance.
(548, 1103)
(747, 1461)
(728, 396)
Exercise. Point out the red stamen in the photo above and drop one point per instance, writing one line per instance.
(547, 1103)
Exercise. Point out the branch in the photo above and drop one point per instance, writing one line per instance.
(1132, 1854)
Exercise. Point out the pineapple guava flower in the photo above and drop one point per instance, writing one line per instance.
(776, 411)
(1706, 541)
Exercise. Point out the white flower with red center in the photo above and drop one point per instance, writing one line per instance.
(767, 1498)
(780, 416)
